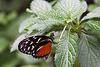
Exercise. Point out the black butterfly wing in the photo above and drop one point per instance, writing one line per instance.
(27, 45)
(31, 44)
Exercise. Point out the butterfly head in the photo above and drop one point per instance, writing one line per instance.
(52, 36)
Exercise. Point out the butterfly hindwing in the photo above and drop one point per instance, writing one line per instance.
(43, 51)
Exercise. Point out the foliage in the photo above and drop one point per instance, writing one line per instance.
(89, 54)
(66, 51)
(94, 5)
(5, 43)
(5, 19)
(65, 17)
(8, 32)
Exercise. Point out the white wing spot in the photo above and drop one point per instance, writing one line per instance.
(32, 47)
(26, 42)
(31, 42)
(28, 48)
(39, 48)
(42, 40)
(21, 46)
(38, 40)
(28, 52)
(33, 54)
(24, 49)
(33, 51)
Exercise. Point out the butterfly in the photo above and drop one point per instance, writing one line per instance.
(37, 46)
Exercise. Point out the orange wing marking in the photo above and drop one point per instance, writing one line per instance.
(44, 50)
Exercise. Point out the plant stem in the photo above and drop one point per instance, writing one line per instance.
(79, 23)
(62, 32)
(75, 22)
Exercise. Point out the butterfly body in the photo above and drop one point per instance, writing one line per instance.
(37, 46)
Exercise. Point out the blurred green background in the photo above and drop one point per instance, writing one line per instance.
(12, 13)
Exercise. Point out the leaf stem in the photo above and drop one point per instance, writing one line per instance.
(75, 22)
(79, 23)
(62, 32)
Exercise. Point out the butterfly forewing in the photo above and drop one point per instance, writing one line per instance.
(27, 45)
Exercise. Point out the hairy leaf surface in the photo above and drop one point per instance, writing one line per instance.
(40, 6)
(66, 50)
(89, 51)
(54, 14)
(27, 23)
(44, 25)
(94, 26)
(72, 8)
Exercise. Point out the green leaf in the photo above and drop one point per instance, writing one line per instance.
(82, 9)
(92, 14)
(27, 23)
(3, 44)
(66, 50)
(10, 60)
(97, 2)
(91, 7)
(30, 65)
(13, 62)
(54, 14)
(98, 65)
(53, 2)
(72, 8)
(40, 6)
(11, 16)
(26, 58)
(94, 26)
(16, 42)
(14, 26)
(89, 51)
(44, 25)
(3, 20)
